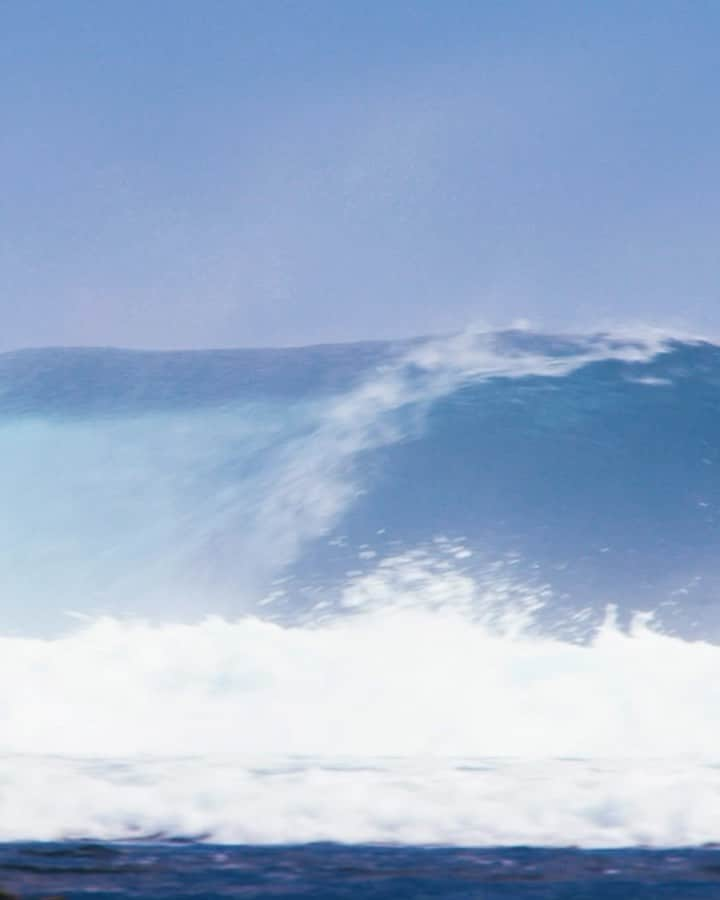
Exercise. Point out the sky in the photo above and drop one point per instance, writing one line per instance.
(223, 173)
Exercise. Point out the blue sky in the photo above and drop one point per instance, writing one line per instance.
(229, 173)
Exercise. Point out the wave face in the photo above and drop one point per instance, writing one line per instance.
(167, 485)
(372, 592)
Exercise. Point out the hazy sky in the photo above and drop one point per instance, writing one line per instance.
(228, 173)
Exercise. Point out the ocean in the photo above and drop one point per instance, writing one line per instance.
(432, 618)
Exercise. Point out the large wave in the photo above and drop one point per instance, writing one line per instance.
(249, 607)
(179, 485)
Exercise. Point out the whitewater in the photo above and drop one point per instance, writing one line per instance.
(454, 591)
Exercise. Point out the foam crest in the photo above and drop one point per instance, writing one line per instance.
(429, 662)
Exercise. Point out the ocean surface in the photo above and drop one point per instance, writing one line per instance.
(434, 618)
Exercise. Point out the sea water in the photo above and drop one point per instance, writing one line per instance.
(364, 600)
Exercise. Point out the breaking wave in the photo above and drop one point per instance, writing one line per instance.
(455, 591)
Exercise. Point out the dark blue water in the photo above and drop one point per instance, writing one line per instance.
(324, 872)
